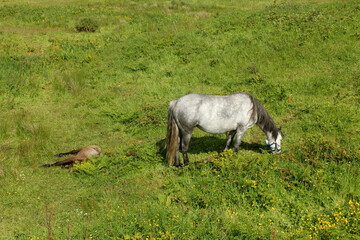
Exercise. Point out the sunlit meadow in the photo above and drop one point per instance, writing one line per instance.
(75, 73)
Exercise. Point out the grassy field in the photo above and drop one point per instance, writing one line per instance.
(62, 88)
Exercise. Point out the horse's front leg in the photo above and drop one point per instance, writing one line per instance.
(230, 139)
(239, 134)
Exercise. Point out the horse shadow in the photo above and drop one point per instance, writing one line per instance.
(210, 144)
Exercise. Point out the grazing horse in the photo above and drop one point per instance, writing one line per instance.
(82, 154)
(215, 114)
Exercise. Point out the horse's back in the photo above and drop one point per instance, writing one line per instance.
(204, 103)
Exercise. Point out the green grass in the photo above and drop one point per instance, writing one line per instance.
(62, 89)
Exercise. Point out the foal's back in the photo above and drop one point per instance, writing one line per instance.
(89, 152)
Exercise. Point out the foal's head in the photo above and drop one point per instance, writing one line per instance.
(273, 141)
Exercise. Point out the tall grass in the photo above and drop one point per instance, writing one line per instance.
(62, 89)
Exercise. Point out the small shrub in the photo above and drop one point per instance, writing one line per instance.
(87, 25)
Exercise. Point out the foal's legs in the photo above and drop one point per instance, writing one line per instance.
(239, 134)
(68, 153)
(230, 139)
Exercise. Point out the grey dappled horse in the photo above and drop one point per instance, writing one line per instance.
(215, 114)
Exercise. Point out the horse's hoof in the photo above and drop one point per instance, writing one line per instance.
(179, 166)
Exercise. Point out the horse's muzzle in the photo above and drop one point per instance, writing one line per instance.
(276, 150)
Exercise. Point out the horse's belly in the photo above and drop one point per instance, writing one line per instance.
(216, 128)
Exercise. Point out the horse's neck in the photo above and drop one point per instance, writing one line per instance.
(264, 120)
(265, 129)
(268, 127)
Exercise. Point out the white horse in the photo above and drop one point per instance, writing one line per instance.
(215, 114)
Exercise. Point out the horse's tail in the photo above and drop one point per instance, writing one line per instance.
(172, 136)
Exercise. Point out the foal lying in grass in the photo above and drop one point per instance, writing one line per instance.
(82, 154)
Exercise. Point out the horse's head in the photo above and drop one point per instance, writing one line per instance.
(275, 143)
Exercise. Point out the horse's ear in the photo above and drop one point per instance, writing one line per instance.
(282, 134)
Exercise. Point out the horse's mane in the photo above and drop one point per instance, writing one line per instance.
(264, 119)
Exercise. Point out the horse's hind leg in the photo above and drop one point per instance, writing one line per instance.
(185, 146)
(177, 159)
(230, 139)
